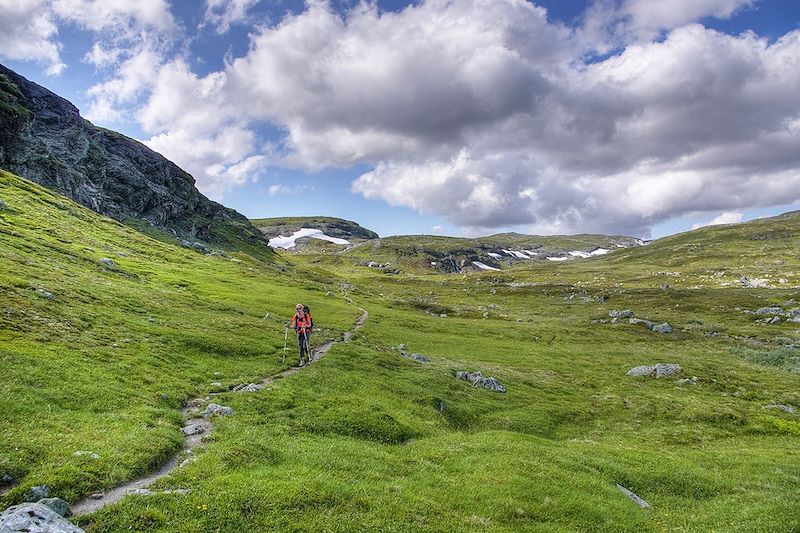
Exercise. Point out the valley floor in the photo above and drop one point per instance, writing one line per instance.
(366, 439)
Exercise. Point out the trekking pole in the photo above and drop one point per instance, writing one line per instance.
(308, 350)
(285, 339)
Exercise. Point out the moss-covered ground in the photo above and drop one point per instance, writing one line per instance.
(365, 440)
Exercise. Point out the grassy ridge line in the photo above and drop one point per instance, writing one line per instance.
(714, 256)
(100, 358)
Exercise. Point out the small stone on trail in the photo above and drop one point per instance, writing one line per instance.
(56, 504)
(785, 408)
(37, 493)
(140, 492)
(216, 409)
(477, 380)
(633, 496)
(34, 517)
(193, 429)
(247, 387)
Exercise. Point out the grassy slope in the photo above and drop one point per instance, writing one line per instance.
(87, 369)
(366, 440)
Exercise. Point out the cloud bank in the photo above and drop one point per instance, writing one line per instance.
(488, 113)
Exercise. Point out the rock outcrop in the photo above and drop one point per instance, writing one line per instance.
(43, 138)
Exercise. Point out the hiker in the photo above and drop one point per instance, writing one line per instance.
(302, 324)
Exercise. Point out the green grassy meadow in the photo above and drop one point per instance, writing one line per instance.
(366, 440)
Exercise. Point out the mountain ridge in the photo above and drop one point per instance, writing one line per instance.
(45, 139)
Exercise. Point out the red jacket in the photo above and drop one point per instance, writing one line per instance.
(302, 325)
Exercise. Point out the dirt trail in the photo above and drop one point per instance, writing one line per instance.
(90, 505)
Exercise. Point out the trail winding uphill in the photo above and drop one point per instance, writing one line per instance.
(197, 425)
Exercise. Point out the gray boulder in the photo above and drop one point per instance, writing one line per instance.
(216, 409)
(662, 328)
(687, 381)
(774, 320)
(56, 504)
(785, 408)
(2, 205)
(90, 455)
(478, 380)
(37, 493)
(35, 518)
(659, 370)
(105, 261)
(44, 294)
(772, 310)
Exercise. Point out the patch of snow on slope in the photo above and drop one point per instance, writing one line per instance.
(483, 266)
(558, 258)
(600, 251)
(291, 241)
(576, 253)
(518, 255)
(495, 256)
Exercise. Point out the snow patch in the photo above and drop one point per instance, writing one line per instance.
(483, 266)
(494, 255)
(290, 242)
(600, 251)
(577, 253)
(558, 258)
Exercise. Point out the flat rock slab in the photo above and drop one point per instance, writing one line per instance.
(418, 357)
(785, 408)
(216, 409)
(633, 496)
(35, 518)
(659, 370)
(478, 380)
(193, 429)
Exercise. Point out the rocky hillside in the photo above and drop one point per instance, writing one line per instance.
(43, 138)
(331, 226)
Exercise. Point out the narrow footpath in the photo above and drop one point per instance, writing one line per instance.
(202, 426)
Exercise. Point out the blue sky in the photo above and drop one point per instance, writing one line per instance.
(464, 117)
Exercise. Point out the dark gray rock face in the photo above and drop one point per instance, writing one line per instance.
(44, 139)
(662, 328)
(35, 518)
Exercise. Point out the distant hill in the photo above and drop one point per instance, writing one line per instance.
(337, 228)
(456, 254)
(43, 138)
